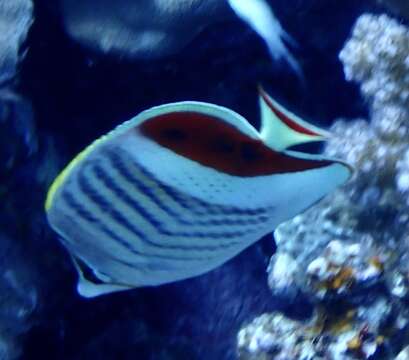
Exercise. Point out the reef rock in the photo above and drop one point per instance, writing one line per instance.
(371, 210)
(16, 17)
(283, 276)
(344, 271)
(351, 250)
(376, 57)
(275, 337)
(18, 295)
(18, 138)
(18, 298)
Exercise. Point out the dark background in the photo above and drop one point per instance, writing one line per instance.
(78, 95)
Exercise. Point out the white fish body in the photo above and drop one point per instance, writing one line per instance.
(260, 17)
(179, 190)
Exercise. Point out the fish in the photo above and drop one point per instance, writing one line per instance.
(182, 188)
(261, 18)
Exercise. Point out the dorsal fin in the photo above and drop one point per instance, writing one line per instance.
(220, 112)
(281, 129)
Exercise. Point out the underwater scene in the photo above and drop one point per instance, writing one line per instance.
(204, 179)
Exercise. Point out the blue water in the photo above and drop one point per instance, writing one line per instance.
(78, 94)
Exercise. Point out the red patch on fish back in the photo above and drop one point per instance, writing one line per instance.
(285, 119)
(212, 142)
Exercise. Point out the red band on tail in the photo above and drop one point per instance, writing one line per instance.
(284, 118)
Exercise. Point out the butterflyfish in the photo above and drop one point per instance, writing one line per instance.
(182, 188)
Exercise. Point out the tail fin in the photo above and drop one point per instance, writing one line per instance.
(281, 129)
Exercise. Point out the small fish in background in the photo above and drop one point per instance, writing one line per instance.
(182, 188)
(259, 15)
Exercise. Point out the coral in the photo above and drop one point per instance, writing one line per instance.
(351, 251)
(376, 56)
(340, 271)
(284, 276)
(372, 209)
(381, 150)
(274, 336)
(343, 270)
(366, 332)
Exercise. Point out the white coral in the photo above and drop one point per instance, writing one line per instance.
(372, 209)
(377, 56)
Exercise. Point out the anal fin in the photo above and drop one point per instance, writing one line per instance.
(88, 288)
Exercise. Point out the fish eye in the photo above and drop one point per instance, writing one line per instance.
(174, 134)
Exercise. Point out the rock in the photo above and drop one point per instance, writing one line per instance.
(283, 277)
(275, 337)
(18, 138)
(16, 17)
(352, 249)
(18, 297)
